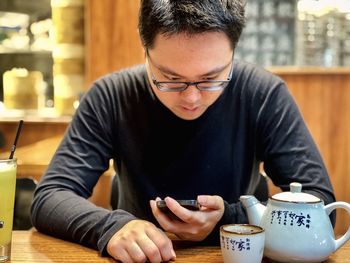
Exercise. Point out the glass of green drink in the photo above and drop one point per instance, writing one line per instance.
(8, 170)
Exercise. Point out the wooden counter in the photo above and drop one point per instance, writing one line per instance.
(34, 247)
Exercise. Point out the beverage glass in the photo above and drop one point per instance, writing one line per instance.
(8, 170)
(242, 243)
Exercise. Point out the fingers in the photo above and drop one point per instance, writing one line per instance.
(158, 214)
(146, 249)
(140, 241)
(175, 214)
(122, 255)
(164, 220)
(212, 202)
(163, 243)
(137, 253)
(188, 224)
(194, 225)
(181, 212)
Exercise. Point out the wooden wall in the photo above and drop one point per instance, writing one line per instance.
(112, 39)
(322, 95)
(32, 130)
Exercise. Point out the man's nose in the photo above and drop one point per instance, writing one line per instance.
(191, 94)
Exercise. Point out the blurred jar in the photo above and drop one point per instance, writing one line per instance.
(310, 33)
(346, 36)
(68, 54)
(68, 77)
(13, 31)
(333, 38)
(21, 88)
(68, 20)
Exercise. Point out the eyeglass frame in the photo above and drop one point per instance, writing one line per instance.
(189, 83)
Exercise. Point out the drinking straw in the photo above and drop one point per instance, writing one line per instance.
(13, 148)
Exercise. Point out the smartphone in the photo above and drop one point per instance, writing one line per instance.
(188, 204)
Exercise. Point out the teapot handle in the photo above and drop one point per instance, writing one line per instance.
(329, 208)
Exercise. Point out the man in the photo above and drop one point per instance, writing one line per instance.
(192, 123)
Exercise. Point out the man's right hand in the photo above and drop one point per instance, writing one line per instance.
(139, 241)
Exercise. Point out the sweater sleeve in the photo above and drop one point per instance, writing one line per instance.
(60, 206)
(288, 150)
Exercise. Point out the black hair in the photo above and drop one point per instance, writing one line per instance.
(170, 17)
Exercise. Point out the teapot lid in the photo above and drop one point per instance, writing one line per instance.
(295, 195)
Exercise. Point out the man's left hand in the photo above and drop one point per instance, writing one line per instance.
(194, 225)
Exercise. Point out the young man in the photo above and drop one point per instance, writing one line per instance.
(192, 123)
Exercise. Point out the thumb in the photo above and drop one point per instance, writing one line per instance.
(213, 202)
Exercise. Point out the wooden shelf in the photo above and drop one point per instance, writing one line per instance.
(33, 116)
(296, 70)
(6, 51)
(37, 119)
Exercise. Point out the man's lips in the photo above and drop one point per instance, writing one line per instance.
(190, 108)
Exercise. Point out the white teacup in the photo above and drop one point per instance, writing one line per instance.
(242, 243)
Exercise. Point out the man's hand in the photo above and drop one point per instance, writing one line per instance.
(139, 241)
(195, 225)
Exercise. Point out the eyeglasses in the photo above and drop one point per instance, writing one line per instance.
(177, 86)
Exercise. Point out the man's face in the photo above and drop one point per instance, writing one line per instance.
(193, 58)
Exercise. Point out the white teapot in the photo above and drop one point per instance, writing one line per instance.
(297, 225)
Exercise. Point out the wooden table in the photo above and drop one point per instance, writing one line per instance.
(34, 247)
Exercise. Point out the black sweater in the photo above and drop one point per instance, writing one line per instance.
(158, 154)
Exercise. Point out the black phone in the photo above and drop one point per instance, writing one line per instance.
(188, 204)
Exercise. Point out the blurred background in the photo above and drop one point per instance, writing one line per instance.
(42, 45)
(41, 49)
(302, 33)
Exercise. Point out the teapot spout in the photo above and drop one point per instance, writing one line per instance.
(254, 209)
